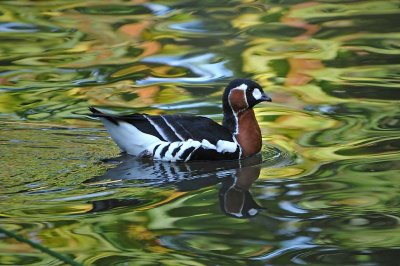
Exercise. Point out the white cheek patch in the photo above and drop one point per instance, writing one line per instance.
(257, 94)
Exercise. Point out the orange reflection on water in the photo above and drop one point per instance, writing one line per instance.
(310, 29)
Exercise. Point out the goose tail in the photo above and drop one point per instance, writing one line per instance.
(99, 114)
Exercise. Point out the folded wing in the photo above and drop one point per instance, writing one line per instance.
(181, 137)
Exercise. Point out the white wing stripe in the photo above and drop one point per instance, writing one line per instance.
(159, 129)
(173, 129)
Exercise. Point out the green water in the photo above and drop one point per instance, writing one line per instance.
(324, 192)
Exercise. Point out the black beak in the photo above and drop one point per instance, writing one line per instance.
(265, 98)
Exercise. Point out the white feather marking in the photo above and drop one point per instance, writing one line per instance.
(187, 145)
(190, 155)
(157, 152)
(129, 138)
(226, 146)
(168, 155)
(159, 129)
(257, 94)
(234, 114)
(240, 149)
(205, 144)
(173, 129)
(243, 88)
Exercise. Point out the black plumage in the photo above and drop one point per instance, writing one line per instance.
(184, 137)
(185, 126)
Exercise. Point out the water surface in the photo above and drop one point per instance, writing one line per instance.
(324, 191)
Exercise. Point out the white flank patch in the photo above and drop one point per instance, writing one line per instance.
(226, 146)
(182, 146)
(159, 130)
(159, 149)
(173, 129)
(187, 145)
(168, 155)
(257, 94)
(129, 138)
(205, 144)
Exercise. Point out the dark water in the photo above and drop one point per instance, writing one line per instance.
(324, 191)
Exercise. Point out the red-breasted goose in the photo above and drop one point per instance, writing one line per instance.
(185, 138)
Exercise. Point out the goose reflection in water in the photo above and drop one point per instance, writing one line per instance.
(236, 178)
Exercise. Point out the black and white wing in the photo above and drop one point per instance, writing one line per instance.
(180, 137)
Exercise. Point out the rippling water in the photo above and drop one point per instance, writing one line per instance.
(324, 191)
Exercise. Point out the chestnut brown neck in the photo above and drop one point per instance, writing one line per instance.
(249, 133)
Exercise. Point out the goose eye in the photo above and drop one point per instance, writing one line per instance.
(257, 94)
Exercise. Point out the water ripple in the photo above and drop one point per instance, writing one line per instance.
(324, 193)
(202, 67)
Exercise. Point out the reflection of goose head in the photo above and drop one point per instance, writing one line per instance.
(236, 178)
(234, 196)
